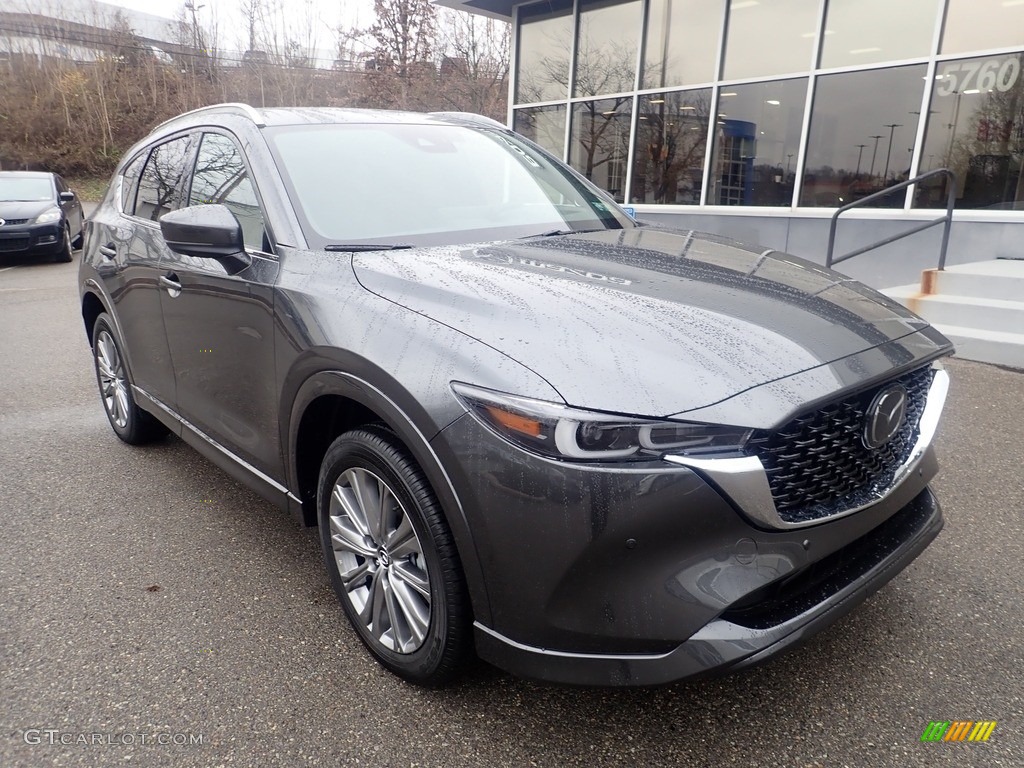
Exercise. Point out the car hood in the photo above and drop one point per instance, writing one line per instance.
(24, 209)
(642, 321)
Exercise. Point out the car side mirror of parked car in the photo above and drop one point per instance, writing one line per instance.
(205, 231)
(67, 197)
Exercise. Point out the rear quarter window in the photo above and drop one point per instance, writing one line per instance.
(130, 183)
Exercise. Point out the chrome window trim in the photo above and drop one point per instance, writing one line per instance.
(744, 481)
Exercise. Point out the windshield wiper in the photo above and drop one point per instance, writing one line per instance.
(556, 232)
(357, 247)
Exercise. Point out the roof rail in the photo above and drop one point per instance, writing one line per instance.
(469, 117)
(231, 108)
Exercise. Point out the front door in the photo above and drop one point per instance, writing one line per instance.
(219, 320)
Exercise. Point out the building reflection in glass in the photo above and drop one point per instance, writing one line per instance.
(544, 126)
(863, 127)
(976, 129)
(681, 42)
(671, 138)
(756, 141)
(545, 44)
(606, 52)
(599, 142)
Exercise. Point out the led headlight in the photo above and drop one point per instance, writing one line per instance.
(48, 217)
(560, 432)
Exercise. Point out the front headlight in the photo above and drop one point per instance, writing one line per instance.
(48, 217)
(560, 432)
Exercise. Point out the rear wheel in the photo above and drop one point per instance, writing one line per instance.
(391, 558)
(129, 422)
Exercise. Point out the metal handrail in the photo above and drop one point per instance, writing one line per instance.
(947, 219)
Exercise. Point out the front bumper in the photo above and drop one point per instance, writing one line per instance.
(31, 239)
(644, 574)
(744, 637)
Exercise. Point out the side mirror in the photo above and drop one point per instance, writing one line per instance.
(67, 197)
(205, 231)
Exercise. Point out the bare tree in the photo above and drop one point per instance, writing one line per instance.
(403, 33)
(475, 64)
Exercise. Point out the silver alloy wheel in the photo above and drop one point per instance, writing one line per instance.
(113, 383)
(380, 560)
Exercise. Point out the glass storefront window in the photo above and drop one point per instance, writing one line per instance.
(545, 43)
(863, 126)
(868, 31)
(976, 129)
(544, 126)
(756, 142)
(599, 142)
(769, 37)
(973, 25)
(606, 56)
(668, 159)
(681, 42)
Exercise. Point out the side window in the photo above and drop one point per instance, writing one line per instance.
(130, 183)
(159, 185)
(221, 177)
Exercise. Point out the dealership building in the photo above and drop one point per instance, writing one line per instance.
(759, 118)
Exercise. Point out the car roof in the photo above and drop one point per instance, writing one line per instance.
(28, 174)
(280, 116)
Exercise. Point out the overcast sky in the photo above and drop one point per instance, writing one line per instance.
(330, 14)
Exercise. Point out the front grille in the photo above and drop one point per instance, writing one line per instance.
(12, 222)
(818, 465)
(14, 243)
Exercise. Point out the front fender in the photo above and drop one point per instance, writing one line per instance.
(334, 382)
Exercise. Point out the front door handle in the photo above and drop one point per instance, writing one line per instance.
(108, 251)
(170, 282)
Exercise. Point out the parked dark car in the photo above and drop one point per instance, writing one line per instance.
(599, 452)
(39, 215)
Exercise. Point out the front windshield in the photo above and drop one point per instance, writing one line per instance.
(14, 189)
(431, 185)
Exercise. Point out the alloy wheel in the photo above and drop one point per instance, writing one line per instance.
(113, 383)
(380, 561)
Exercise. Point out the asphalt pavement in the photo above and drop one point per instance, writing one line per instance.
(153, 612)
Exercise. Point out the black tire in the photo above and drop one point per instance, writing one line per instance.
(64, 254)
(129, 422)
(373, 454)
(77, 242)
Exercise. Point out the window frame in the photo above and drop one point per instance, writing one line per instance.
(197, 138)
(188, 157)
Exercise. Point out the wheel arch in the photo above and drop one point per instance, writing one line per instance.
(92, 308)
(332, 402)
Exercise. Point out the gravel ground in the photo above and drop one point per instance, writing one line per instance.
(144, 594)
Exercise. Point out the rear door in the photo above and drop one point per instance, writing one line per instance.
(127, 238)
(219, 319)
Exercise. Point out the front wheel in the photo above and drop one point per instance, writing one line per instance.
(391, 558)
(64, 254)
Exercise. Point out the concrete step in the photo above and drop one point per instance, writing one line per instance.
(1002, 279)
(962, 311)
(999, 347)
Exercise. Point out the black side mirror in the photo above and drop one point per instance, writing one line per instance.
(66, 197)
(205, 231)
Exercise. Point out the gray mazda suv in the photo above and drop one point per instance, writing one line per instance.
(593, 451)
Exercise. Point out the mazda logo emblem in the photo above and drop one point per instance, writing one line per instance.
(885, 416)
